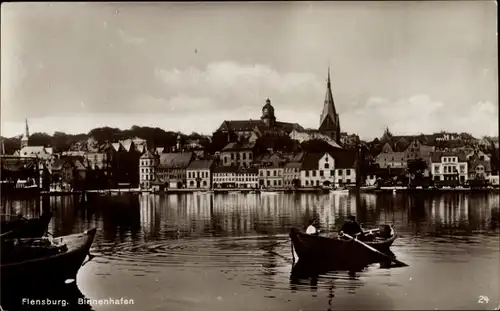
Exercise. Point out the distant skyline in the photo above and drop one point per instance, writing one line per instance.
(415, 67)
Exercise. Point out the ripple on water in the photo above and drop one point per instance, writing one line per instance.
(224, 253)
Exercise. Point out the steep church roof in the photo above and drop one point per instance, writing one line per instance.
(328, 106)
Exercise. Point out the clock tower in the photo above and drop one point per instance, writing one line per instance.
(268, 116)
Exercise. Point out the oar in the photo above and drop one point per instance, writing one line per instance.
(402, 264)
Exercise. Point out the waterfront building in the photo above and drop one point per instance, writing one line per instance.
(449, 166)
(291, 172)
(328, 169)
(147, 167)
(247, 177)
(271, 170)
(224, 177)
(172, 167)
(199, 174)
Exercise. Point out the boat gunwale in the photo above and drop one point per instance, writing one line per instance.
(88, 235)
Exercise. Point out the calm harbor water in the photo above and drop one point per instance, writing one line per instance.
(215, 252)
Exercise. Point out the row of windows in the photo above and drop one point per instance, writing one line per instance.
(204, 183)
(197, 174)
(268, 173)
(292, 170)
(275, 183)
(450, 159)
(147, 170)
(147, 162)
(449, 169)
(241, 179)
(218, 175)
(147, 177)
(318, 183)
(237, 156)
(332, 173)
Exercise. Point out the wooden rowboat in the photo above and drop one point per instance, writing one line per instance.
(339, 252)
(54, 264)
(21, 227)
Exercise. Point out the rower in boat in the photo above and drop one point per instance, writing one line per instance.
(312, 229)
(352, 227)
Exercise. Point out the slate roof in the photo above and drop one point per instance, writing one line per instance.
(200, 165)
(247, 170)
(436, 156)
(343, 159)
(293, 165)
(235, 146)
(175, 160)
(249, 125)
(310, 161)
(225, 169)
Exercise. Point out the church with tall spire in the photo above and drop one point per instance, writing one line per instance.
(26, 136)
(329, 123)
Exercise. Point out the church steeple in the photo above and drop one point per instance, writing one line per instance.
(329, 122)
(329, 105)
(25, 138)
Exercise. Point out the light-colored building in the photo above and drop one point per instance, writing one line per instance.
(224, 177)
(328, 169)
(247, 178)
(199, 174)
(449, 166)
(271, 176)
(147, 170)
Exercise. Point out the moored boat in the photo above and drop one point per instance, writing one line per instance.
(39, 262)
(341, 252)
(339, 191)
(20, 227)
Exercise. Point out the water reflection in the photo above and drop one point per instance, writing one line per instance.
(242, 240)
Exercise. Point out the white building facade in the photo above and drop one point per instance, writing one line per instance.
(327, 170)
(199, 174)
(271, 176)
(449, 166)
(147, 174)
(247, 178)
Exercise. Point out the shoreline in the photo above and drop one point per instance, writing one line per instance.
(270, 191)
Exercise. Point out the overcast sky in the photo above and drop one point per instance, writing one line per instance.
(414, 67)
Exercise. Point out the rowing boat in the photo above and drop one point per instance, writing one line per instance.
(341, 252)
(25, 228)
(38, 262)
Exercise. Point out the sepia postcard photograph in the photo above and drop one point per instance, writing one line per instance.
(249, 155)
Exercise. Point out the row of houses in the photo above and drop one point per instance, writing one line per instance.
(276, 170)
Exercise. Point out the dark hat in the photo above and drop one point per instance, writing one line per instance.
(353, 218)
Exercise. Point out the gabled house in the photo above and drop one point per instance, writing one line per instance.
(172, 168)
(328, 169)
